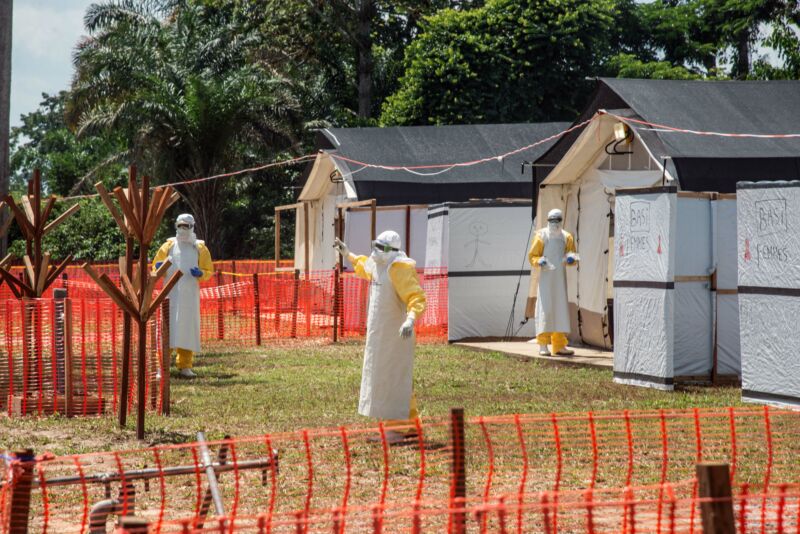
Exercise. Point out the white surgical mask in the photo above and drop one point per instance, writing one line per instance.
(185, 235)
(554, 226)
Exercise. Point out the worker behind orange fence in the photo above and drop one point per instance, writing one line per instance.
(189, 255)
(396, 302)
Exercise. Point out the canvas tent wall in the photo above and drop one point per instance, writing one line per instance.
(583, 187)
(402, 153)
(692, 162)
(484, 245)
(769, 291)
(665, 301)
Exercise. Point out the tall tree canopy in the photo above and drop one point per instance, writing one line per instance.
(179, 82)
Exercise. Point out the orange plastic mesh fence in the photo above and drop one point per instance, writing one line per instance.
(576, 472)
(41, 370)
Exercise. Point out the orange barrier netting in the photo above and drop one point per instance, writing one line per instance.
(238, 308)
(55, 353)
(574, 472)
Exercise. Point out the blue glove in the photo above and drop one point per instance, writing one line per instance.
(570, 260)
(196, 272)
(159, 264)
(542, 261)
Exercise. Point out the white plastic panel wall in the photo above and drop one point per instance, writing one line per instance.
(438, 236)
(693, 256)
(769, 290)
(358, 230)
(488, 269)
(729, 358)
(643, 337)
(693, 354)
(644, 300)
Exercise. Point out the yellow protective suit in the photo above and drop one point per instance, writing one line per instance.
(184, 300)
(552, 309)
(384, 331)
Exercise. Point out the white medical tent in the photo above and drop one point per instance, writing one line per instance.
(769, 291)
(671, 323)
(654, 120)
(484, 246)
(401, 177)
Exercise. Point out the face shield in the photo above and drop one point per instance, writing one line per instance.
(383, 253)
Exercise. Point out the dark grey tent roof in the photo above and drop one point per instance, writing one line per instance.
(709, 163)
(431, 145)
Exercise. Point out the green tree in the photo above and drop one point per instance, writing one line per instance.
(68, 164)
(179, 82)
(507, 61)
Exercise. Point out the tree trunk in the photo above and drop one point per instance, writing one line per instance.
(743, 55)
(366, 64)
(204, 203)
(5, 105)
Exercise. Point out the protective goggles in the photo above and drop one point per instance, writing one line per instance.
(555, 219)
(184, 226)
(383, 247)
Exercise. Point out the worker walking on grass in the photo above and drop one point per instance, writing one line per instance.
(189, 255)
(553, 248)
(396, 302)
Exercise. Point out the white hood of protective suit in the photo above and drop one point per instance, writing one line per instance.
(185, 235)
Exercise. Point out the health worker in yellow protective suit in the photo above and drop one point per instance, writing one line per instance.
(189, 255)
(396, 302)
(553, 249)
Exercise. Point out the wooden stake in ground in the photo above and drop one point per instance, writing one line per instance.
(31, 218)
(140, 217)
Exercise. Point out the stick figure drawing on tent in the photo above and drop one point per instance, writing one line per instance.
(477, 229)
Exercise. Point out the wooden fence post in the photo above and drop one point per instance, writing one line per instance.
(166, 358)
(295, 302)
(337, 274)
(717, 505)
(59, 294)
(257, 308)
(220, 309)
(21, 494)
(458, 470)
(133, 525)
(69, 390)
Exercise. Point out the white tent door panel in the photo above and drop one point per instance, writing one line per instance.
(729, 356)
(643, 338)
(693, 355)
(770, 359)
(769, 237)
(437, 240)
(482, 307)
(644, 225)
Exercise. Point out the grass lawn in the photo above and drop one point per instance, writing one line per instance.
(287, 387)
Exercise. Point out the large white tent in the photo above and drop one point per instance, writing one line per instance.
(582, 170)
(769, 291)
(336, 177)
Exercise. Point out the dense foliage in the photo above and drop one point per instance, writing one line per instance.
(193, 88)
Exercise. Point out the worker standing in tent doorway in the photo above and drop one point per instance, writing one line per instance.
(553, 248)
(396, 302)
(189, 255)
